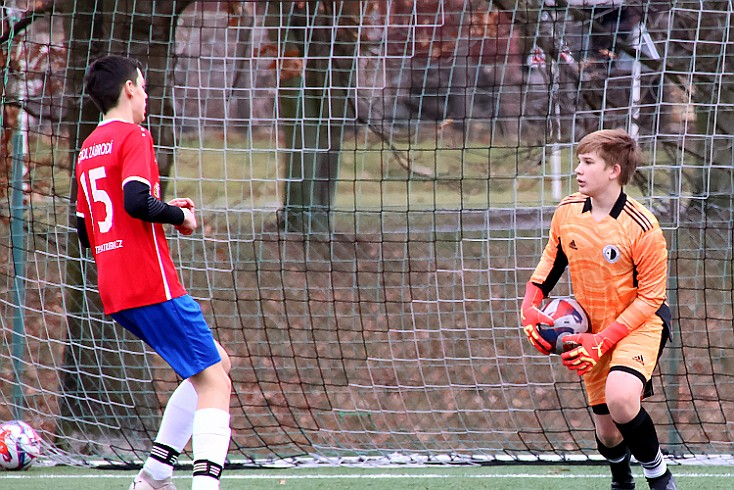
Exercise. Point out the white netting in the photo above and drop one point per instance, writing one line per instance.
(375, 180)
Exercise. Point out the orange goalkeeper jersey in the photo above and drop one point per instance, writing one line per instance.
(618, 266)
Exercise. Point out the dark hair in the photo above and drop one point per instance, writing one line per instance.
(615, 147)
(105, 78)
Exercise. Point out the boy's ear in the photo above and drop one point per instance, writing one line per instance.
(616, 171)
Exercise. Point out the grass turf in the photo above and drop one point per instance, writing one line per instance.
(535, 477)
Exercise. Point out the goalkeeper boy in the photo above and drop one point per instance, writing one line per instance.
(617, 259)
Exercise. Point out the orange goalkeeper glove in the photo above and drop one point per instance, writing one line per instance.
(590, 347)
(531, 316)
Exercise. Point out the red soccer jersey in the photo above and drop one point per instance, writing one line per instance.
(134, 265)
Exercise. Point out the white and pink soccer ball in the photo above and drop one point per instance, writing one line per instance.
(20, 445)
(569, 317)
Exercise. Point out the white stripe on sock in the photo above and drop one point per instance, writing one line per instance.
(655, 468)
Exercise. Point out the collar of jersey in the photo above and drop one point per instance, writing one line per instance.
(616, 209)
(107, 121)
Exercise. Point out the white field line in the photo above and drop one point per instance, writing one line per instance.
(368, 476)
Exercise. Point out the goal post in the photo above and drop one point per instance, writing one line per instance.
(375, 181)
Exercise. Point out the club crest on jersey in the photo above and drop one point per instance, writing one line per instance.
(611, 253)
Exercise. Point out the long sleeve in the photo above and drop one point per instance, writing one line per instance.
(140, 204)
(650, 256)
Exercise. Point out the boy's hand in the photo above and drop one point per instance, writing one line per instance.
(182, 202)
(591, 347)
(531, 316)
(187, 206)
(533, 335)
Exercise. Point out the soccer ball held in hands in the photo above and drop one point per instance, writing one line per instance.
(569, 318)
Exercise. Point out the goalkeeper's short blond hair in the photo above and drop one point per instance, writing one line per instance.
(616, 147)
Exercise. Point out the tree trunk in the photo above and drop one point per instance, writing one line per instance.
(312, 160)
(313, 108)
(715, 154)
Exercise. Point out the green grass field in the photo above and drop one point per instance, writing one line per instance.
(515, 477)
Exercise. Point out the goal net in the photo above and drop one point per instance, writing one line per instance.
(374, 181)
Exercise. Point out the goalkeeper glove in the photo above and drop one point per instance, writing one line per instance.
(590, 347)
(531, 316)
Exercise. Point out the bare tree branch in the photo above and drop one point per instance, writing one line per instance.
(30, 16)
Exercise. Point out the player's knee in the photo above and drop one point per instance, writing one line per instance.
(609, 438)
(212, 379)
(623, 407)
(224, 382)
(226, 362)
(607, 432)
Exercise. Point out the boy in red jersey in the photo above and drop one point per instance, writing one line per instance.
(617, 259)
(120, 216)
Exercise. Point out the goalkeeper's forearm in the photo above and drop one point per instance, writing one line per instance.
(639, 311)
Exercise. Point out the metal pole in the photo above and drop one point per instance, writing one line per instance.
(17, 233)
(556, 188)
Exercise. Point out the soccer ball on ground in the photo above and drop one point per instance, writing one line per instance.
(20, 444)
(569, 318)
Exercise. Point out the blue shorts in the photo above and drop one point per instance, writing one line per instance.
(177, 331)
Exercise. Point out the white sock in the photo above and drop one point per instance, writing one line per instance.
(176, 427)
(654, 468)
(211, 443)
